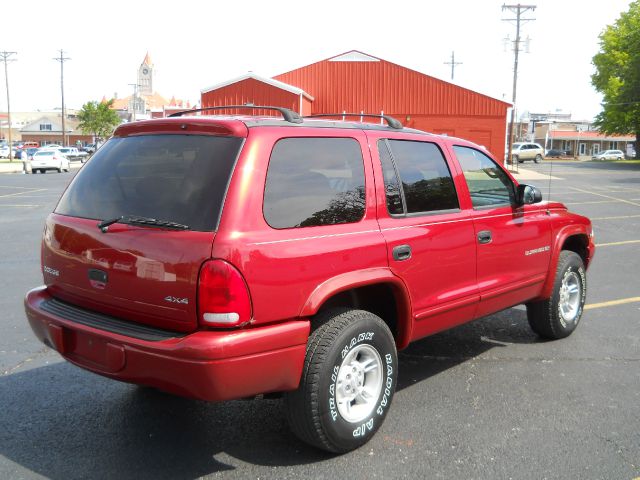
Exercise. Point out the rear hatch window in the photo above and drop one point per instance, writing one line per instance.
(177, 178)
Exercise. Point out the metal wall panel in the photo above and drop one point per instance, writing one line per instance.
(381, 85)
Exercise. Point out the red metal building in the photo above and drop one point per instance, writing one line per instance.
(355, 82)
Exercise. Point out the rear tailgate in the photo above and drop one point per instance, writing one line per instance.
(132, 272)
(148, 273)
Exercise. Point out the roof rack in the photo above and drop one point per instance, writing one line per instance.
(289, 115)
(392, 122)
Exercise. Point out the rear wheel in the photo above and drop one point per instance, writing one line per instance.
(558, 316)
(347, 383)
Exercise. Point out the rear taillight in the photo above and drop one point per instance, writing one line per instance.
(223, 296)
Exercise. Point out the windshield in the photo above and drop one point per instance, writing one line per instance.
(176, 178)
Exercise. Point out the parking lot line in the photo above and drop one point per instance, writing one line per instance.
(612, 303)
(615, 218)
(22, 193)
(19, 206)
(607, 196)
(614, 244)
(591, 203)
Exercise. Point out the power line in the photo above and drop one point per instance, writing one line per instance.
(62, 59)
(453, 63)
(518, 10)
(5, 57)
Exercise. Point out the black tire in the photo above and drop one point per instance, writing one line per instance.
(538, 158)
(315, 409)
(552, 318)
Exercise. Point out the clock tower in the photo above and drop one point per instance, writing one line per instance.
(145, 77)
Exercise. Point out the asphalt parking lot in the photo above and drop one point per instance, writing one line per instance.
(488, 400)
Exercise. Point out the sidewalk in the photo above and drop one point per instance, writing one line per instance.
(531, 175)
(16, 166)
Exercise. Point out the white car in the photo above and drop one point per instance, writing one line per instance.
(4, 152)
(49, 159)
(609, 155)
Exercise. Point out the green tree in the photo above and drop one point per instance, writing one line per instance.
(98, 119)
(617, 75)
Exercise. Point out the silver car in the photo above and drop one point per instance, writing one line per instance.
(522, 151)
(609, 155)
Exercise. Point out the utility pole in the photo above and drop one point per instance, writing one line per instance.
(62, 59)
(453, 63)
(5, 56)
(518, 10)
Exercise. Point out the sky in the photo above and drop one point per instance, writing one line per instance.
(197, 44)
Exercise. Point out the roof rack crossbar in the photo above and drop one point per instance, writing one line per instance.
(288, 115)
(392, 122)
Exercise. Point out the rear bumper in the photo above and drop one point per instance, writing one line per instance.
(208, 365)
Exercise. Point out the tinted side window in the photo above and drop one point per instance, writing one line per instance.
(314, 181)
(488, 184)
(427, 184)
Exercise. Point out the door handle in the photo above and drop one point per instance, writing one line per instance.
(402, 252)
(484, 236)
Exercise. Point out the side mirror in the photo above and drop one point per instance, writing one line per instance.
(528, 194)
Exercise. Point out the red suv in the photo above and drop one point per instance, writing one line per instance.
(220, 257)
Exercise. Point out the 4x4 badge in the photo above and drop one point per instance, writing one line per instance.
(171, 299)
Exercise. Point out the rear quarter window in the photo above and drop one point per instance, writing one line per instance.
(313, 182)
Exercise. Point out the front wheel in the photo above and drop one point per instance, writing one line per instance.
(558, 316)
(347, 383)
(538, 158)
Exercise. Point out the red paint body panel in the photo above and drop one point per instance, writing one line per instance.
(143, 266)
(303, 257)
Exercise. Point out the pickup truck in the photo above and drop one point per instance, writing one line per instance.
(224, 257)
(73, 154)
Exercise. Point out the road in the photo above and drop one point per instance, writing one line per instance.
(488, 400)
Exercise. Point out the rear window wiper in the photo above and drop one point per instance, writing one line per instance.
(137, 220)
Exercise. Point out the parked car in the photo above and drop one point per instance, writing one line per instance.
(225, 257)
(49, 159)
(522, 151)
(554, 153)
(4, 151)
(609, 155)
(73, 154)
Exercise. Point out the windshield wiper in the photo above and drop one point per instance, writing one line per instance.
(137, 220)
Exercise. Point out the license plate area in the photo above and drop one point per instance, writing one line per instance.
(93, 351)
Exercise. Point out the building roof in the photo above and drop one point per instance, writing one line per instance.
(268, 81)
(590, 135)
(147, 60)
(70, 125)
